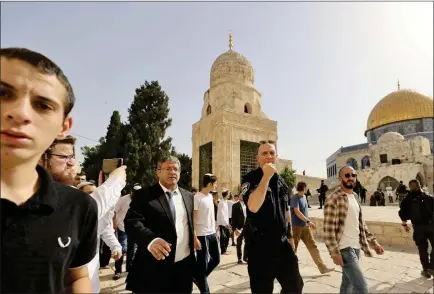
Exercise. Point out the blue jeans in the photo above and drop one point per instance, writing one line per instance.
(208, 258)
(353, 280)
(129, 248)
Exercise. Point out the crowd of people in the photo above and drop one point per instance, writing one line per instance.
(55, 223)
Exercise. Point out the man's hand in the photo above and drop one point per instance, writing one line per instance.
(379, 249)
(312, 225)
(197, 245)
(120, 172)
(116, 255)
(338, 260)
(291, 241)
(268, 169)
(237, 233)
(160, 249)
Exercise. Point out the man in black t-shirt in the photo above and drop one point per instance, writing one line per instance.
(268, 233)
(48, 229)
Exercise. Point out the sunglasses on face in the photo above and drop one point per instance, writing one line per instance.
(347, 176)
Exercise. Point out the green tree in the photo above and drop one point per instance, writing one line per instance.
(289, 177)
(112, 146)
(146, 140)
(92, 160)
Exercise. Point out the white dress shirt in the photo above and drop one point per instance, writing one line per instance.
(106, 197)
(121, 210)
(223, 213)
(230, 204)
(181, 225)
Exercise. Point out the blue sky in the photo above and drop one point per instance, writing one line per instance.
(321, 67)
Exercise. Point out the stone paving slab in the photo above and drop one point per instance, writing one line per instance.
(397, 271)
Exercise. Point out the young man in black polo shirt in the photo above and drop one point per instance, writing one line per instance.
(48, 229)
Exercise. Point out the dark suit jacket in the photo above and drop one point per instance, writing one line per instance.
(150, 217)
(238, 218)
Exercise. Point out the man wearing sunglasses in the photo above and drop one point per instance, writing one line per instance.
(345, 233)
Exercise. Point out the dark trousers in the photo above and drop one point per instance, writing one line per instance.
(267, 264)
(129, 248)
(224, 239)
(241, 255)
(363, 199)
(210, 247)
(321, 201)
(104, 254)
(421, 236)
(232, 233)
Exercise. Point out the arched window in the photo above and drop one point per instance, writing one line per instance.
(366, 162)
(353, 163)
(208, 110)
(247, 108)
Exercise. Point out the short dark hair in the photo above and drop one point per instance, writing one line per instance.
(301, 186)
(415, 181)
(208, 178)
(193, 190)
(225, 193)
(70, 140)
(45, 66)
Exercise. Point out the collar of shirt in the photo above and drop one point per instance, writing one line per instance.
(167, 190)
(46, 198)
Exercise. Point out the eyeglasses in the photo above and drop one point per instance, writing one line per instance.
(169, 169)
(350, 175)
(66, 158)
(267, 142)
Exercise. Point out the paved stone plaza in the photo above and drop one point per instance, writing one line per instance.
(397, 271)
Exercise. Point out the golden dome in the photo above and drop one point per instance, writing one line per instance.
(398, 106)
(231, 66)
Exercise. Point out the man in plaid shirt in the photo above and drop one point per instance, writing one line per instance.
(345, 233)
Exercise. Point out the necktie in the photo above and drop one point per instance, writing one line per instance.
(171, 203)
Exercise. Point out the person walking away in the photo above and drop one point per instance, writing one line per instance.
(417, 206)
(345, 233)
(401, 191)
(322, 190)
(239, 215)
(363, 195)
(223, 223)
(301, 226)
(230, 204)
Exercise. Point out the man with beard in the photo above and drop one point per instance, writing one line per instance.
(417, 206)
(270, 249)
(48, 229)
(345, 233)
(59, 159)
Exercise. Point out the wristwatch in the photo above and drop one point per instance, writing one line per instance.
(308, 221)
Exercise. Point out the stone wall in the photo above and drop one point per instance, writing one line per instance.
(387, 233)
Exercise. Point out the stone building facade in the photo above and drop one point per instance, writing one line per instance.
(399, 144)
(225, 140)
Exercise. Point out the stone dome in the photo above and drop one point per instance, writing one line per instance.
(390, 137)
(399, 106)
(231, 66)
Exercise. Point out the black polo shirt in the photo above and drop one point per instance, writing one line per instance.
(53, 231)
(268, 224)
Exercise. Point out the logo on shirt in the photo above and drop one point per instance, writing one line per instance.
(61, 244)
(245, 188)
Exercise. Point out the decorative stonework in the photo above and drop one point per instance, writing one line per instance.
(231, 66)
